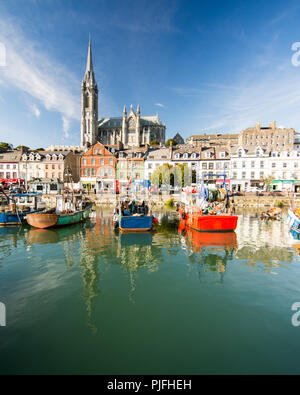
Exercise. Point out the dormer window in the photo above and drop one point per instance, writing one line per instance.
(222, 154)
(38, 157)
(61, 157)
(240, 153)
(54, 157)
(31, 157)
(207, 155)
(258, 152)
(177, 156)
(48, 157)
(24, 157)
(194, 155)
(185, 155)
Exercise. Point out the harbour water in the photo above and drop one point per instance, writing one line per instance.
(86, 299)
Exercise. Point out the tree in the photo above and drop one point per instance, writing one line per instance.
(22, 146)
(174, 142)
(267, 181)
(154, 142)
(6, 146)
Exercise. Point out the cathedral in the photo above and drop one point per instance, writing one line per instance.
(132, 129)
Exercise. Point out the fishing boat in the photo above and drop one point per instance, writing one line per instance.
(272, 213)
(131, 217)
(18, 206)
(294, 216)
(69, 210)
(208, 209)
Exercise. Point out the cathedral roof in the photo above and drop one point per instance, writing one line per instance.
(117, 122)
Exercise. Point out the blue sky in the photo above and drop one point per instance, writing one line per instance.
(202, 65)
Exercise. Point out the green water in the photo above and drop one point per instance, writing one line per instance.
(85, 299)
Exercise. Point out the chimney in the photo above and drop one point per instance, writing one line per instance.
(273, 125)
(257, 126)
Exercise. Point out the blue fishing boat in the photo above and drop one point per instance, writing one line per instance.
(18, 206)
(135, 223)
(133, 217)
(293, 221)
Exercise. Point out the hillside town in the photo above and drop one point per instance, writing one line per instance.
(116, 154)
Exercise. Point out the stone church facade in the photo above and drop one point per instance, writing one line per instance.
(132, 129)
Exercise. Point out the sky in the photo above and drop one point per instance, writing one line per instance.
(203, 66)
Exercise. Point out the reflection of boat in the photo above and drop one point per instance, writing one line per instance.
(198, 240)
(42, 236)
(46, 220)
(49, 236)
(129, 239)
(20, 206)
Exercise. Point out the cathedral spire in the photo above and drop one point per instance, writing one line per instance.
(89, 72)
(124, 110)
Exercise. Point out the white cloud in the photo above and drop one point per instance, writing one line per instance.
(159, 105)
(30, 70)
(66, 126)
(35, 111)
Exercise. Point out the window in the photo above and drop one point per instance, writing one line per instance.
(261, 175)
(243, 174)
(53, 167)
(102, 161)
(252, 163)
(295, 164)
(261, 164)
(185, 155)
(150, 166)
(234, 174)
(211, 166)
(252, 174)
(222, 154)
(93, 171)
(273, 164)
(204, 166)
(45, 167)
(194, 155)
(284, 164)
(177, 156)
(111, 161)
(244, 164)
(93, 162)
(84, 161)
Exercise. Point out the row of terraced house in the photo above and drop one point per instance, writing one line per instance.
(246, 159)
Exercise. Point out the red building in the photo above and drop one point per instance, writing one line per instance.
(98, 168)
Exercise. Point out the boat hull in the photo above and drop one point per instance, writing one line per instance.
(11, 219)
(44, 220)
(209, 223)
(135, 223)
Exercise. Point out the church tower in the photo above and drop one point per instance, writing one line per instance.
(89, 104)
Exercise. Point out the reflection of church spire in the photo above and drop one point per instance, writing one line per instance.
(90, 276)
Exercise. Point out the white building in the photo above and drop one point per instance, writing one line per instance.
(249, 167)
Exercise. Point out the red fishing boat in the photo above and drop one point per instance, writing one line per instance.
(207, 210)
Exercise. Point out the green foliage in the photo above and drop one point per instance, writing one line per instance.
(170, 203)
(279, 203)
(154, 142)
(169, 175)
(169, 142)
(6, 146)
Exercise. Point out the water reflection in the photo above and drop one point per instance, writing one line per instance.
(95, 247)
(210, 251)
